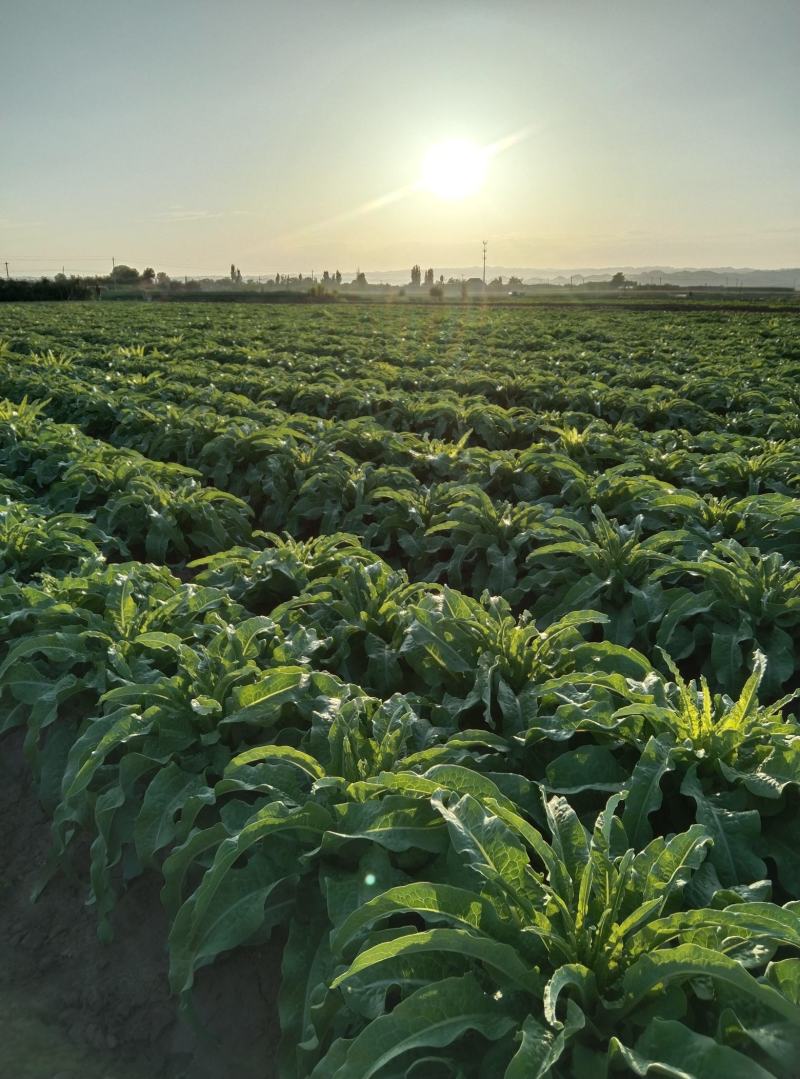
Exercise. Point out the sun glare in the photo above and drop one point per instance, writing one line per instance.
(454, 169)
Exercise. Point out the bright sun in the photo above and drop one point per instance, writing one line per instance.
(454, 169)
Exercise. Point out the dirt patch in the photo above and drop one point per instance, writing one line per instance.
(74, 1008)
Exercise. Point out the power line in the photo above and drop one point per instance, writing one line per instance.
(35, 265)
(45, 261)
(60, 258)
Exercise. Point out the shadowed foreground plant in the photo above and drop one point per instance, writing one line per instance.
(570, 951)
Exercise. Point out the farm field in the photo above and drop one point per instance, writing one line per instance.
(443, 659)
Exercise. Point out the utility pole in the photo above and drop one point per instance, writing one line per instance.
(113, 267)
(8, 278)
(484, 261)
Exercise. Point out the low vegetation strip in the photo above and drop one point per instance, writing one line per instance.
(489, 708)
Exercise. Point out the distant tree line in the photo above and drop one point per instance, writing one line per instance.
(12, 290)
(127, 279)
(127, 282)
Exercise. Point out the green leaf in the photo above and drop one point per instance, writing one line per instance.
(458, 906)
(100, 738)
(199, 930)
(431, 1017)
(261, 703)
(177, 864)
(680, 610)
(229, 918)
(500, 957)
(287, 754)
(779, 769)
(782, 845)
(305, 972)
(666, 866)
(644, 791)
(490, 846)
(589, 768)
(171, 642)
(735, 835)
(571, 974)
(651, 972)
(451, 777)
(570, 843)
(785, 976)
(672, 1049)
(395, 823)
(780, 924)
(170, 791)
(542, 1048)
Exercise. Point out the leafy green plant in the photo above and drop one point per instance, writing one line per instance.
(481, 659)
(31, 541)
(610, 566)
(579, 943)
(746, 601)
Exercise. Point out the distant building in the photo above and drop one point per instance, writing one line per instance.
(474, 284)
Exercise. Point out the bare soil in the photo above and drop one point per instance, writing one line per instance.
(72, 1007)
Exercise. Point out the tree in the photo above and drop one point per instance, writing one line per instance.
(618, 280)
(238, 278)
(497, 282)
(416, 275)
(429, 278)
(124, 275)
(360, 279)
(233, 272)
(162, 278)
(326, 277)
(437, 292)
(148, 275)
(338, 277)
(514, 282)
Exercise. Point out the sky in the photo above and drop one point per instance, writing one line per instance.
(191, 134)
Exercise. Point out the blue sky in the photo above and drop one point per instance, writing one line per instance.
(191, 134)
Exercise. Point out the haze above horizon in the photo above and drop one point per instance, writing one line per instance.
(285, 137)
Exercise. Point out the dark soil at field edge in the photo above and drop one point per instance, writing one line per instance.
(72, 1007)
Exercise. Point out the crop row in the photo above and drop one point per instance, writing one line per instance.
(166, 421)
(707, 582)
(422, 381)
(138, 507)
(265, 767)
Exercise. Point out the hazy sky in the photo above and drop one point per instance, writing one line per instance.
(188, 134)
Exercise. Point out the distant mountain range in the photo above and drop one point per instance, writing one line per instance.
(647, 275)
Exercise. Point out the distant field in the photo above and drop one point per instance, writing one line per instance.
(456, 647)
